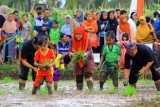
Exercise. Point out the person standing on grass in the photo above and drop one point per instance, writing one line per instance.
(26, 61)
(54, 33)
(81, 42)
(113, 23)
(109, 63)
(26, 31)
(145, 32)
(103, 27)
(143, 59)
(66, 28)
(90, 26)
(47, 23)
(133, 25)
(3, 13)
(9, 30)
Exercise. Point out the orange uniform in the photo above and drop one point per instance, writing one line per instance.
(45, 59)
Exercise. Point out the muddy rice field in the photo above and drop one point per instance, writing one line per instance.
(68, 96)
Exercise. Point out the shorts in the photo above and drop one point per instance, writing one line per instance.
(24, 72)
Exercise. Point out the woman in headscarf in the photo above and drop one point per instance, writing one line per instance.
(124, 27)
(79, 16)
(133, 25)
(77, 20)
(145, 32)
(81, 42)
(103, 27)
(9, 32)
(91, 28)
(66, 27)
(3, 12)
(113, 23)
(98, 16)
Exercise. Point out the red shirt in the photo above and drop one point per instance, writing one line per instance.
(20, 25)
(45, 59)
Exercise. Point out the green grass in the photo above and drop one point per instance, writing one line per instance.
(129, 91)
(9, 67)
(7, 80)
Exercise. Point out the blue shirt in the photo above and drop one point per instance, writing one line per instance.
(63, 48)
(47, 23)
(157, 24)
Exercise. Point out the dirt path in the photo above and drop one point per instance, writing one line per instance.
(67, 96)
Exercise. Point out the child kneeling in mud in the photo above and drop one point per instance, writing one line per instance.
(44, 58)
(109, 63)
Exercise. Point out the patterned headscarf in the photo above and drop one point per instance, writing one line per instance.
(130, 46)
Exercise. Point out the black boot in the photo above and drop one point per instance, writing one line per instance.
(34, 90)
(157, 84)
(79, 86)
(90, 85)
(101, 85)
(49, 86)
(21, 86)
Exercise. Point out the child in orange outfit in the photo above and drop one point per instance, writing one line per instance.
(43, 59)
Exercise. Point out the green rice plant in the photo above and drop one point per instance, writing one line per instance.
(78, 56)
(129, 91)
(112, 91)
(43, 91)
(7, 79)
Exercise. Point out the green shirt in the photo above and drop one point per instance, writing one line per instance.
(112, 55)
(54, 35)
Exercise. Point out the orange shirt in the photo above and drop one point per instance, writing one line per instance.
(92, 35)
(46, 58)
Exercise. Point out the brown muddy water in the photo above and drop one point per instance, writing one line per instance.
(67, 96)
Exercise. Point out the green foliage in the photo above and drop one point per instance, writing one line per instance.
(9, 70)
(7, 79)
(67, 73)
(78, 56)
(129, 91)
